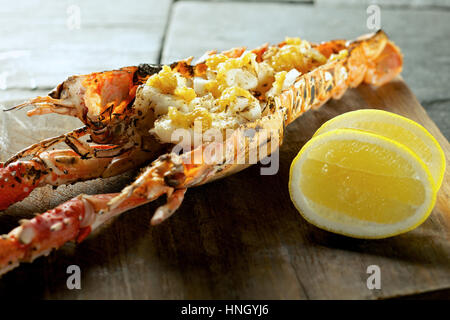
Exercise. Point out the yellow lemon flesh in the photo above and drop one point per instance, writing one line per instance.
(361, 185)
(398, 128)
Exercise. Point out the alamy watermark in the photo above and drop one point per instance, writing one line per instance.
(243, 146)
(74, 280)
(73, 21)
(373, 22)
(374, 280)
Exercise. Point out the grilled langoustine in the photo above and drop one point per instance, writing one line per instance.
(237, 102)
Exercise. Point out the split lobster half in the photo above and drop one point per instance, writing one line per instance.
(132, 116)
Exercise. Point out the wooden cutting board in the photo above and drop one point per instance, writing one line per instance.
(239, 237)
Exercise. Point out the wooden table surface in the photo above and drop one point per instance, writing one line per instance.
(239, 237)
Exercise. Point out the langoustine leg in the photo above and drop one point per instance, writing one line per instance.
(75, 219)
(18, 179)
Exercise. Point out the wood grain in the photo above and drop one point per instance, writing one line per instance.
(236, 238)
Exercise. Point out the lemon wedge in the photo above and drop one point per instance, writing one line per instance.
(398, 128)
(361, 185)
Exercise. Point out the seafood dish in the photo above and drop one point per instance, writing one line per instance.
(236, 103)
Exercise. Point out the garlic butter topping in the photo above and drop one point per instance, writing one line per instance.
(231, 91)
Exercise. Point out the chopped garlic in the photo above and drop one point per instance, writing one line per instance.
(241, 78)
(290, 78)
(161, 102)
(277, 85)
(199, 86)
